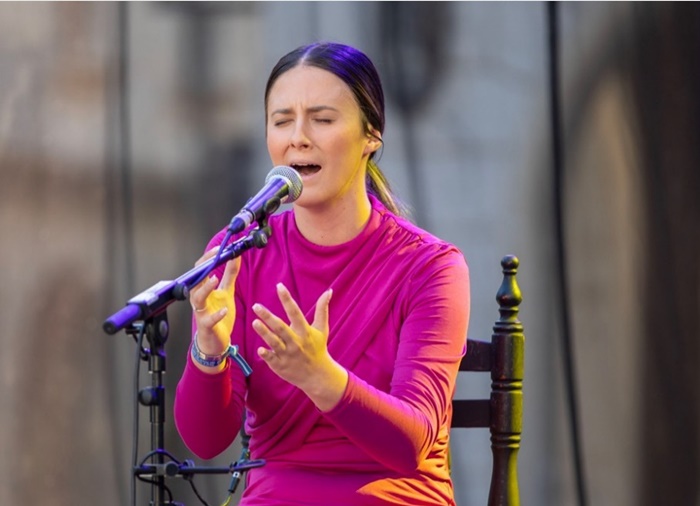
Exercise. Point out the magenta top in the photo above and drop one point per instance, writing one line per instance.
(398, 323)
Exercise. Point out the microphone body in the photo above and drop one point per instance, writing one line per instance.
(282, 184)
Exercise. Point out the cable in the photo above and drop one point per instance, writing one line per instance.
(196, 492)
(223, 244)
(563, 289)
(135, 426)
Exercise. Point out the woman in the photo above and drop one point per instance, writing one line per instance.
(352, 319)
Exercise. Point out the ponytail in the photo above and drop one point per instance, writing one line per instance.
(379, 186)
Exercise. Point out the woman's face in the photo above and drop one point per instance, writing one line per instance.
(314, 125)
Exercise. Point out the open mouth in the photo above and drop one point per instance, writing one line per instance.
(306, 169)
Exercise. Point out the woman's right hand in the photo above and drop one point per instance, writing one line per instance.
(213, 339)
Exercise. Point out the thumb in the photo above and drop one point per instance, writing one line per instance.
(230, 274)
(321, 314)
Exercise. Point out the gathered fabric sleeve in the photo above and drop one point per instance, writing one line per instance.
(208, 408)
(399, 428)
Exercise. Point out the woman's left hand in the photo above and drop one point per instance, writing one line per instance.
(298, 352)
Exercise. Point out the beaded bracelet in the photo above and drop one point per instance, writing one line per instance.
(214, 360)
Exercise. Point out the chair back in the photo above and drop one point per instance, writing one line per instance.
(502, 413)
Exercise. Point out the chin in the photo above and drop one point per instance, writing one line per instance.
(309, 200)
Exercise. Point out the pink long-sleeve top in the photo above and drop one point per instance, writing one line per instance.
(398, 323)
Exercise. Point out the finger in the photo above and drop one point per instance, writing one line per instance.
(272, 321)
(321, 313)
(290, 306)
(207, 255)
(230, 274)
(270, 338)
(266, 355)
(207, 324)
(199, 294)
(204, 288)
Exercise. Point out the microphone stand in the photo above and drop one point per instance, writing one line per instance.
(150, 307)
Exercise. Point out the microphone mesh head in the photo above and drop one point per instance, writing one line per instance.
(291, 177)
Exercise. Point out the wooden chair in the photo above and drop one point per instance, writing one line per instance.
(502, 412)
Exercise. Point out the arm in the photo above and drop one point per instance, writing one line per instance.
(209, 401)
(208, 408)
(399, 428)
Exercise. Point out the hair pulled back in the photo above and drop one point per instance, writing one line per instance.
(356, 70)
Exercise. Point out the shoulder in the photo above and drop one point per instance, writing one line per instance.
(429, 259)
(436, 283)
(419, 242)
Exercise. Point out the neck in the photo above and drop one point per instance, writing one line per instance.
(334, 224)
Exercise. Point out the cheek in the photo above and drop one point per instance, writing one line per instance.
(274, 144)
(346, 144)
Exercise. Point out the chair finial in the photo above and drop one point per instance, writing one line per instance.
(508, 295)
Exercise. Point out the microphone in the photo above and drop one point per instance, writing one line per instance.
(282, 185)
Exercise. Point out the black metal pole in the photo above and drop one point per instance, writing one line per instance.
(157, 334)
(563, 289)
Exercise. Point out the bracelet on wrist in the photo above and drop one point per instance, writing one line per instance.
(215, 360)
(207, 360)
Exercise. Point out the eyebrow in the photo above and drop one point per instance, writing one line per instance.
(316, 108)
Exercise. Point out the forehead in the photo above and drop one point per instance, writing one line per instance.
(308, 87)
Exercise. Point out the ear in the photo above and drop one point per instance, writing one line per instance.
(374, 141)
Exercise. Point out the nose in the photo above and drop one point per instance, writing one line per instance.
(298, 138)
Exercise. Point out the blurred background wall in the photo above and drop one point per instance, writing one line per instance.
(130, 132)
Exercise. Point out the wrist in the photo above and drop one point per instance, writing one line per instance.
(327, 388)
(209, 343)
(206, 359)
(216, 363)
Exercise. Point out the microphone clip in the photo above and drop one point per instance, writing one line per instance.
(247, 216)
(262, 232)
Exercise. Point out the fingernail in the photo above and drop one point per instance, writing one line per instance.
(281, 287)
(223, 311)
(257, 307)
